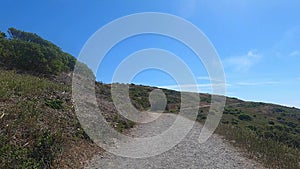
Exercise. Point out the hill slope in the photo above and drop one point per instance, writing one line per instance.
(38, 125)
(39, 128)
(269, 133)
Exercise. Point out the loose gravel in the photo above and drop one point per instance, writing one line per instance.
(215, 153)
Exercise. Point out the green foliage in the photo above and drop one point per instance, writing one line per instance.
(232, 111)
(271, 122)
(16, 157)
(245, 117)
(13, 85)
(32, 136)
(30, 53)
(234, 121)
(54, 103)
(272, 153)
(46, 148)
(2, 35)
(139, 96)
(121, 123)
(253, 128)
(291, 124)
(269, 132)
(28, 37)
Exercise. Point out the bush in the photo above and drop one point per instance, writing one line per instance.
(291, 124)
(245, 117)
(30, 53)
(253, 128)
(271, 123)
(234, 121)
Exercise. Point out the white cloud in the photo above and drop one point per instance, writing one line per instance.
(203, 78)
(295, 53)
(207, 78)
(257, 83)
(244, 62)
(197, 87)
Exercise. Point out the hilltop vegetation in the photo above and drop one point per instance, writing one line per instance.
(29, 53)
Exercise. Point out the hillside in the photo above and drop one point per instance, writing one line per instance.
(39, 128)
(268, 133)
(38, 125)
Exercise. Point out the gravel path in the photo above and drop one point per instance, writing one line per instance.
(215, 153)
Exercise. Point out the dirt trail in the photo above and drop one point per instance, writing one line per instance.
(215, 153)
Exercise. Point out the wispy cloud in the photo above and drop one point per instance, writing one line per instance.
(203, 78)
(257, 83)
(244, 62)
(207, 78)
(196, 87)
(295, 53)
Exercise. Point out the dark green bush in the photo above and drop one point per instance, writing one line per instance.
(30, 53)
(271, 122)
(291, 124)
(253, 128)
(245, 117)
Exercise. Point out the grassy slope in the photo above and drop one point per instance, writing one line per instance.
(39, 129)
(38, 126)
(267, 132)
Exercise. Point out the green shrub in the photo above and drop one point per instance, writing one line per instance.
(271, 122)
(253, 128)
(46, 148)
(30, 53)
(41, 155)
(291, 124)
(54, 103)
(272, 154)
(245, 117)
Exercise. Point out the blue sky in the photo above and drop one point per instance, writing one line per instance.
(258, 41)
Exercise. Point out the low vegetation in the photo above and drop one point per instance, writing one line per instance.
(29, 53)
(38, 125)
(266, 132)
(39, 128)
(35, 128)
